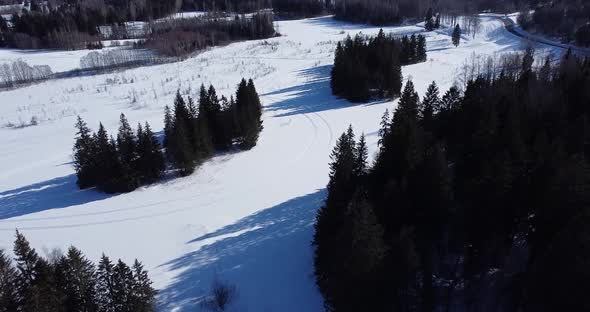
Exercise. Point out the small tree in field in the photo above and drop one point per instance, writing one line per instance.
(456, 35)
(221, 297)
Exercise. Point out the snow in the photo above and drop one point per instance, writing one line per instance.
(245, 217)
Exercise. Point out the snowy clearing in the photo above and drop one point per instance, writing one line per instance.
(245, 217)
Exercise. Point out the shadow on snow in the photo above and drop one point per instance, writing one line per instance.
(56, 193)
(314, 95)
(268, 256)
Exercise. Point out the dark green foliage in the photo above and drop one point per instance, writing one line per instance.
(456, 36)
(84, 151)
(150, 163)
(71, 283)
(475, 200)
(248, 110)
(8, 290)
(117, 166)
(191, 135)
(371, 66)
(79, 282)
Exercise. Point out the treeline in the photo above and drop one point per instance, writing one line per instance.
(565, 19)
(75, 24)
(282, 8)
(386, 12)
(71, 282)
(366, 66)
(476, 199)
(191, 135)
(183, 36)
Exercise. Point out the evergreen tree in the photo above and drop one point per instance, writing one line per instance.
(429, 23)
(362, 153)
(385, 126)
(143, 293)
(122, 287)
(127, 151)
(205, 124)
(80, 282)
(150, 162)
(108, 163)
(168, 125)
(8, 286)
(450, 100)
(421, 49)
(104, 285)
(249, 113)
(456, 37)
(28, 275)
(84, 152)
(430, 104)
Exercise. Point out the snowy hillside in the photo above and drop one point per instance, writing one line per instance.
(246, 217)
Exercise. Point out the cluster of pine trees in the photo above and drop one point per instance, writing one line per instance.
(71, 282)
(193, 134)
(371, 66)
(476, 199)
(117, 165)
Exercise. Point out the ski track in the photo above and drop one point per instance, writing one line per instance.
(246, 217)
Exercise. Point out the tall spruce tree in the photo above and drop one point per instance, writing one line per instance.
(143, 293)
(127, 151)
(8, 285)
(150, 162)
(80, 282)
(122, 287)
(84, 153)
(105, 285)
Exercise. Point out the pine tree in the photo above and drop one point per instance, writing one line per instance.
(122, 287)
(150, 162)
(84, 152)
(143, 293)
(362, 154)
(80, 282)
(450, 100)
(429, 106)
(428, 21)
(104, 285)
(413, 49)
(456, 37)
(421, 49)
(8, 286)
(127, 151)
(331, 246)
(249, 113)
(204, 124)
(108, 163)
(168, 125)
(385, 126)
(182, 152)
(27, 278)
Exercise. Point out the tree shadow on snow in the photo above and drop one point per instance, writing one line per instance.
(268, 256)
(314, 95)
(56, 193)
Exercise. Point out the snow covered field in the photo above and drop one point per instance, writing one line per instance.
(247, 217)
